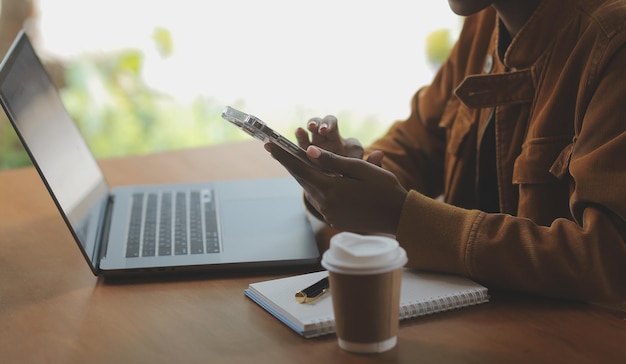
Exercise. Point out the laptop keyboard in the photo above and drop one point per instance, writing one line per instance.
(172, 223)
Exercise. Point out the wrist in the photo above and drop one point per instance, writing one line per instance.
(315, 218)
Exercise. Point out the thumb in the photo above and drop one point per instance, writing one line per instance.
(346, 166)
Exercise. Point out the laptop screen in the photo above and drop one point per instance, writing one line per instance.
(54, 144)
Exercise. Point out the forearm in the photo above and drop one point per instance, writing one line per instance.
(503, 251)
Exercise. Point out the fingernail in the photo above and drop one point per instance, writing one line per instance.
(314, 151)
(312, 124)
(324, 126)
(267, 147)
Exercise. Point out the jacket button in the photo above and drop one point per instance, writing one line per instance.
(488, 64)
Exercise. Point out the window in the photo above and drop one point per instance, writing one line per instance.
(140, 76)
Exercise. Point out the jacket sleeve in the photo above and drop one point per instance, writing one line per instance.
(583, 258)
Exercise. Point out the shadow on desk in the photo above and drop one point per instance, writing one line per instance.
(252, 274)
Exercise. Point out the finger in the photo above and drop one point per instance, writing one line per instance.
(326, 133)
(344, 166)
(327, 124)
(329, 128)
(313, 124)
(376, 158)
(303, 172)
(302, 137)
(353, 148)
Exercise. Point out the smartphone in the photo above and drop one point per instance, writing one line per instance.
(259, 130)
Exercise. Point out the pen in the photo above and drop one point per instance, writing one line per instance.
(313, 292)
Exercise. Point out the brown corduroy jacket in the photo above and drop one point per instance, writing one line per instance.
(559, 100)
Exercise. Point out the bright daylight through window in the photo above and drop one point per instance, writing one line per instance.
(141, 76)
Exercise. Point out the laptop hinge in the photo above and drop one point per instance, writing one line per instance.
(103, 241)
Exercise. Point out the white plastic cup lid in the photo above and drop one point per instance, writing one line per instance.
(351, 253)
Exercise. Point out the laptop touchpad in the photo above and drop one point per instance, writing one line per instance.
(263, 226)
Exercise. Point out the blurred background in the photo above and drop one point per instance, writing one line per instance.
(141, 76)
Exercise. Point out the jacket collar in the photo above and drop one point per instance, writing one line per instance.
(531, 42)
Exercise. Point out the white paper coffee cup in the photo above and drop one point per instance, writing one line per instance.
(365, 278)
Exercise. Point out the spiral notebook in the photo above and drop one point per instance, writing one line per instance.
(421, 294)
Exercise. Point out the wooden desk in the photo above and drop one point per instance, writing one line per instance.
(53, 310)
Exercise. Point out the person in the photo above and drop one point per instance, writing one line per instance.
(511, 168)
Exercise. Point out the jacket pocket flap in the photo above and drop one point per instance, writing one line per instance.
(542, 160)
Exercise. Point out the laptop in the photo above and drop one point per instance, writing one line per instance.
(236, 224)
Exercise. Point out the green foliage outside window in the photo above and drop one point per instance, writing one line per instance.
(11, 152)
(118, 114)
(438, 45)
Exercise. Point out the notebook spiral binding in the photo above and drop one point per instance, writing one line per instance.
(443, 303)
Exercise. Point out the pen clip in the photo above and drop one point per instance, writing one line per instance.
(313, 292)
(302, 297)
